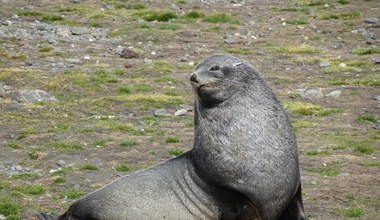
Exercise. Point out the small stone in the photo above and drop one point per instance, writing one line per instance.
(344, 174)
(311, 93)
(58, 65)
(377, 60)
(335, 45)
(7, 23)
(30, 96)
(61, 163)
(63, 32)
(180, 112)
(185, 58)
(147, 61)
(376, 125)
(188, 108)
(4, 88)
(228, 39)
(129, 64)
(129, 54)
(368, 35)
(161, 112)
(334, 94)
(324, 64)
(371, 20)
(73, 61)
(119, 49)
(79, 31)
(175, 7)
(376, 97)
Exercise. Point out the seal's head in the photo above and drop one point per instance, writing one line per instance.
(217, 78)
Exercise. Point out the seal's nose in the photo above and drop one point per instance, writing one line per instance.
(193, 78)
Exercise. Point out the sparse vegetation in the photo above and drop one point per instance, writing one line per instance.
(175, 152)
(88, 167)
(296, 49)
(128, 143)
(366, 118)
(171, 140)
(123, 168)
(30, 189)
(72, 193)
(305, 108)
(9, 208)
(366, 51)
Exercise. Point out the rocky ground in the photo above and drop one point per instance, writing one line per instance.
(91, 90)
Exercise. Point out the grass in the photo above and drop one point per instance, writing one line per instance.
(354, 212)
(366, 118)
(313, 2)
(369, 80)
(194, 15)
(369, 163)
(295, 49)
(156, 15)
(25, 176)
(123, 168)
(299, 124)
(72, 193)
(128, 143)
(59, 180)
(220, 18)
(66, 146)
(329, 171)
(298, 21)
(240, 51)
(8, 207)
(171, 140)
(366, 50)
(172, 27)
(88, 167)
(175, 152)
(340, 16)
(318, 153)
(309, 109)
(31, 189)
(119, 126)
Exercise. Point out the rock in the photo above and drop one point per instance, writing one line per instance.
(335, 45)
(61, 163)
(30, 96)
(7, 23)
(228, 39)
(75, 61)
(376, 97)
(4, 88)
(128, 53)
(175, 7)
(187, 107)
(79, 31)
(334, 94)
(63, 32)
(376, 125)
(371, 20)
(311, 93)
(58, 65)
(161, 112)
(185, 58)
(129, 64)
(368, 35)
(377, 60)
(180, 112)
(324, 64)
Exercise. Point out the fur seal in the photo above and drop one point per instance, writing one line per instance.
(243, 165)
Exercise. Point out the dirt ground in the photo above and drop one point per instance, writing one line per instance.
(111, 64)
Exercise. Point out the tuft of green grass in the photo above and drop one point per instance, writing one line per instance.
(298, 124)
(340, 16)
(162, 66)
(318, 153)
(123, 168)
(329, 171)
(171, 140)
(31, 189)
(128, 127)
(343, 2)
(123, 90)
(45, 49)
(305, 108)
(25, 176)
(298, 21)
(220, 18)
(366, 118)
(370, 164)
(14, 146)
(172, 27)
(128, 143)
(366, 50)
(175, 152)
(360, 149)
(8, 207)
(241, 51)
(150, 120)
(59, 180)
(295, 49)
(99, 143)
(156, 15)
(72, 193)
(88, 167)
(313, 2)
(354, 212)
(66, 146)
(367, 81)
(166, 79)
(194, 15)
(142, 88)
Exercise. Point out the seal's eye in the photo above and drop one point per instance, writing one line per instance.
(214, 68)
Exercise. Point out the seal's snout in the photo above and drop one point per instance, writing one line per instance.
(193, 78)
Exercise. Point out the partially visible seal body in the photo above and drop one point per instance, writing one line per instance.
(243, 165)
(243, 138)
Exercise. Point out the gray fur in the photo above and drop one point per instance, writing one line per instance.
(244, 162)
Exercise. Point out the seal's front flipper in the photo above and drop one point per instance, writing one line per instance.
(295, 210)
(46, 216)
